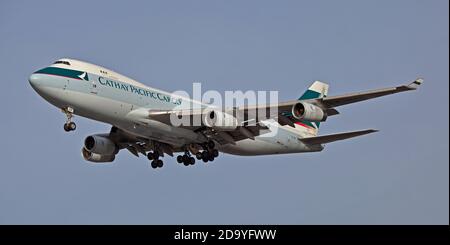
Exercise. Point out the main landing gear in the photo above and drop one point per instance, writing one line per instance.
(69, 125)
(208, 154)
(154, 157)
(186, 159)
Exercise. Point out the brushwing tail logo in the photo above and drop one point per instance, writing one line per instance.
(84, 76)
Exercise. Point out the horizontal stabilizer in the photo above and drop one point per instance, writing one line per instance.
(335, 137)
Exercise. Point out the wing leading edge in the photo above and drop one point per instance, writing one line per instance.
(334, 101)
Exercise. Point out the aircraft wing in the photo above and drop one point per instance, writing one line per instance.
(328, 104)
(335, 137)
(249, 117)
(334, 101)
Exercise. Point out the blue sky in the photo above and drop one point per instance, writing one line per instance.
(399, 175)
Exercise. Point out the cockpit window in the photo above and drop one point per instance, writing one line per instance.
(62, 62)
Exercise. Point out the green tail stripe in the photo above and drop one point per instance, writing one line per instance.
(309, 94)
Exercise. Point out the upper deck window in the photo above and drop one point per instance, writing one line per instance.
(62, 62)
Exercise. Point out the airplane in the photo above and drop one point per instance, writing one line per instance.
(140, 117)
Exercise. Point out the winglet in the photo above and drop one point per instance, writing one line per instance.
(415, 84)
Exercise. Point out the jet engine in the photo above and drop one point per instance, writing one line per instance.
(308, 112)
(220, 120)
(98, 148)
(100, 145)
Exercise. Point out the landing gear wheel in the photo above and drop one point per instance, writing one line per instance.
(198, 156)
(159, 163)
(72, 126)
(156, 155)
(205, 155)
(215, 153)
(69, 125)
(154, 164)
(180, 159)
(211, 158)
(150, 156)
(185, 158)
(191, 160)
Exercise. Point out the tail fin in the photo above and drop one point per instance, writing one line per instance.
(316, 90)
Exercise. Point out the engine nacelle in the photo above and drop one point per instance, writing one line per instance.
(100, 145)
(97, 158)
(220, 120)
(308, 112)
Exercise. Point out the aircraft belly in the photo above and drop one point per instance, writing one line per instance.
(153, 134)
(283, 142)
(258, 146)
(96, 107)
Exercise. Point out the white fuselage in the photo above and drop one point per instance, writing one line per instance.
(101, 94)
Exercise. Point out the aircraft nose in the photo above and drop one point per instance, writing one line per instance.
(34, 80)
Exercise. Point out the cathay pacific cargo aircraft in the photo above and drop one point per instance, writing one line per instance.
(144, 119)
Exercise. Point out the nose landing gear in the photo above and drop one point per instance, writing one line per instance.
(69, 125)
